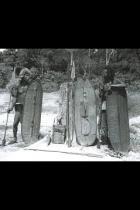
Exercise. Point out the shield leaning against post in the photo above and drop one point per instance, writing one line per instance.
(32, 113)
(117, 118)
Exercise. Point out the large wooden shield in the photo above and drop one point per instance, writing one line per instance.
(32, 113)
(85, 113)
(117, 118)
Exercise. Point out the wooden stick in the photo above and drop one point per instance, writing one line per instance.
(4, 138)
(68, 129)
(69, 153)
(73, 110)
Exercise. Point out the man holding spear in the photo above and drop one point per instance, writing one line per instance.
(18, 92)
(107, 79)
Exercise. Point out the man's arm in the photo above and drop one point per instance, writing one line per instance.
(13, 102)
(13, 92)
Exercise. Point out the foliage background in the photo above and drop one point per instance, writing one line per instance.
(54, 65)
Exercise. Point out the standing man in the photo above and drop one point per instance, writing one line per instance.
(104, 88)
(18, 93)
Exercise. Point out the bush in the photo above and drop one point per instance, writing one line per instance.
(5, 74)
(52, 80)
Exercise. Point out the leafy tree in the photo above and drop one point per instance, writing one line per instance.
(10, 57)
(91, 61)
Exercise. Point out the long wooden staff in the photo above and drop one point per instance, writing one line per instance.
(68, 130)
(4, 138)
(72, 67)
(72, 91)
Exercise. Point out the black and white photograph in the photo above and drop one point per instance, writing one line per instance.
(70, 105)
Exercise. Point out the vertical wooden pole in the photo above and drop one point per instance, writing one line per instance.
(70, 97)
(68, 129)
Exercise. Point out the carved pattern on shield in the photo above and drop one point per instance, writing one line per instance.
(85, 113)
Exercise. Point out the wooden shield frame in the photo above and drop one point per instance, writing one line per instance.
(32, 113)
